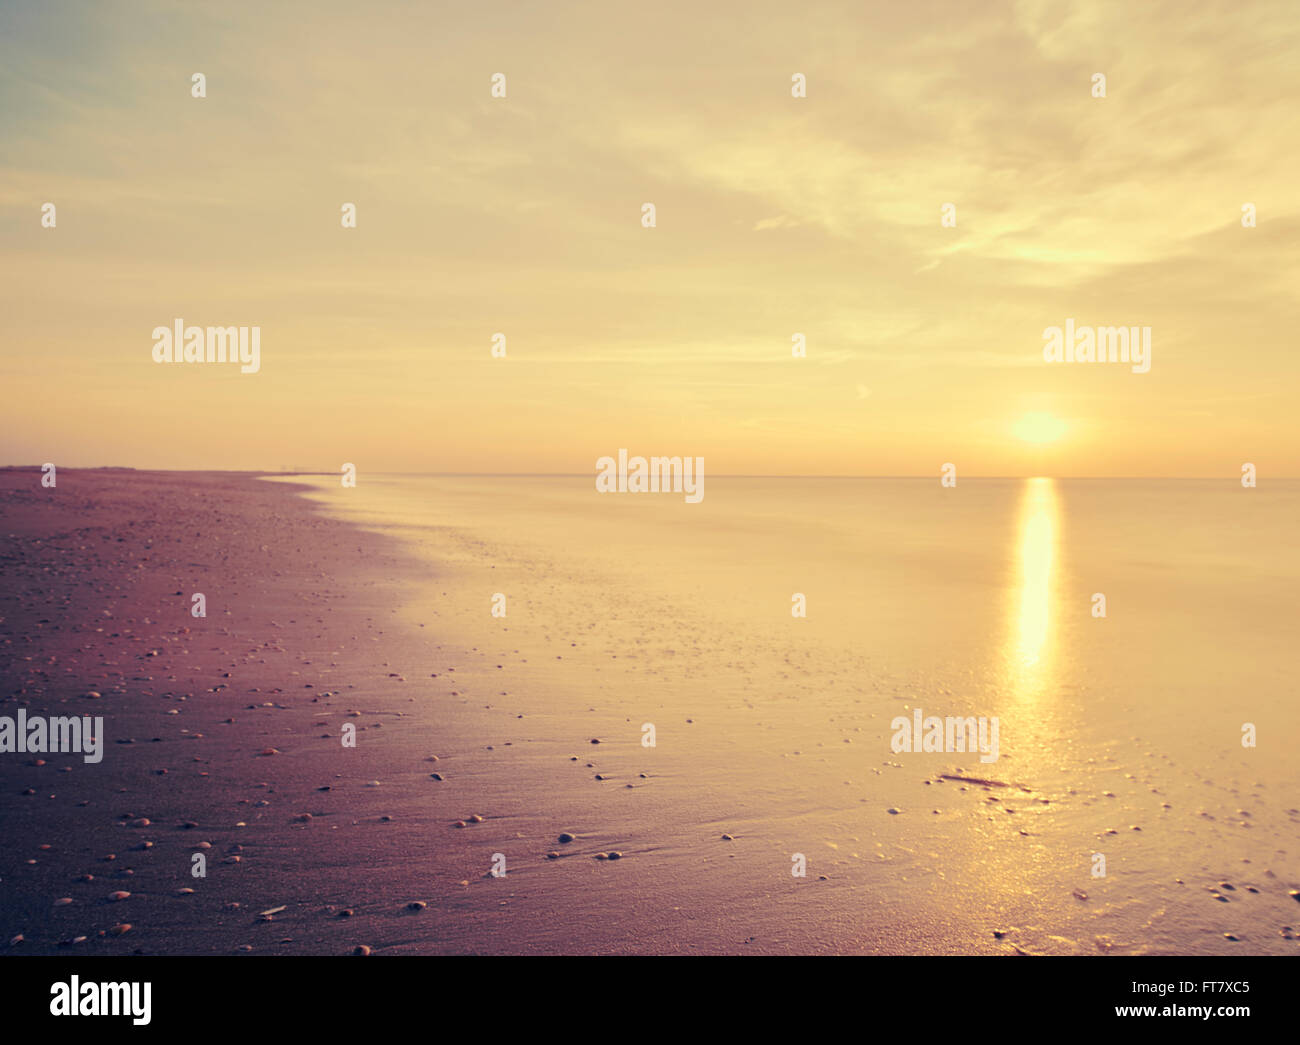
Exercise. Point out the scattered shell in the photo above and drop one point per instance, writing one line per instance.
(416, 905)
(121, 894)
(360, 950)
(565, 837)
(118, 930)
(728, 838)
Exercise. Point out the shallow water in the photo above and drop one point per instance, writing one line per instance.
(1118, 735)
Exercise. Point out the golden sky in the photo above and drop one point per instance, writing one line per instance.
(775, 215)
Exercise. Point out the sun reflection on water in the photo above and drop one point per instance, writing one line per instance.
(1030, 645)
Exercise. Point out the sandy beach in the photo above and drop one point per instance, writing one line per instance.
(481, 743)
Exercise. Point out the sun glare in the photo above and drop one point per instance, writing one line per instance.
(1039, 428)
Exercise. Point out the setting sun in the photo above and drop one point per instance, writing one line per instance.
(1039, 428)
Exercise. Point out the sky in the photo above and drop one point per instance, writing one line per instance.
(774, 215)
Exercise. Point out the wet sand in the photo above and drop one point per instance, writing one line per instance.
(222, 738)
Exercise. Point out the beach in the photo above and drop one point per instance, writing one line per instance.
(644, 691)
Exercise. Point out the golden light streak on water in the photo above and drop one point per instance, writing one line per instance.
(1030, 642)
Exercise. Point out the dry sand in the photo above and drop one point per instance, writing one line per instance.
(223, 738)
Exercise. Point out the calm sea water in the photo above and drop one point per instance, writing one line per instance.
(990, 583)
(976, 600)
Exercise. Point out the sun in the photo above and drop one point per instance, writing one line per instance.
(1039, 428)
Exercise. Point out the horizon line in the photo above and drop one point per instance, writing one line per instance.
(581, 475)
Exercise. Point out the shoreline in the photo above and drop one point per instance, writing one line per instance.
(98, 590)
(227, 730)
